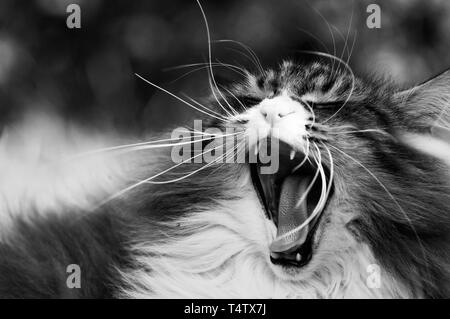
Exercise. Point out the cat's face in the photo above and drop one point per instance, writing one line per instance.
(344, 178)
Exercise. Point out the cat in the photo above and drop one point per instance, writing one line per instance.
(373, 219)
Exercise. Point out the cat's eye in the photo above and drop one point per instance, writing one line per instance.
(325, 105)
(242, 121)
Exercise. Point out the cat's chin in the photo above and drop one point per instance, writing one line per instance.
(300, 272)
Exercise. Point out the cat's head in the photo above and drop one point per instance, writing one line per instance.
(346, 175)
(347, 186)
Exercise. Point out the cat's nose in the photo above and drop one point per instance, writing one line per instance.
(274, 113)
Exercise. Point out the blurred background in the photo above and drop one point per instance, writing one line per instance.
(87, 75)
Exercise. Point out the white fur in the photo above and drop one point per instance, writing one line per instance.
(433, 146)
(42, 172)
(227, 256)
(263, 120)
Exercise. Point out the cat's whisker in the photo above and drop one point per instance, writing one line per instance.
(254, 58)
(219, 87)
(204, 107)
(353, 46)
(177, 97)
(305, 158)
(312, 113)
(234, 68)
(391, 197)
(343, 50)
(213, 90)
(319, 207)
(197, 132)
(212, 80)
(230, 155)
(205, 65)
(144, 181)
(238, 152)
(223, 163)
(330, 30)
(348, 34)
(235, 97)
(315, 38)
(308, 189)
(440, 121)
(324, 127)
(246, 56)
(236, 148)
(330, 182)
(256, 149)
(325, 184)
(360, 131)
(203, 68)
(223, 157)
(148, 145)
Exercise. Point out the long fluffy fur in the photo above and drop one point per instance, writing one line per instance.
(207, 235)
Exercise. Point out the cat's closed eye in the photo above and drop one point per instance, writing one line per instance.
(325, 105)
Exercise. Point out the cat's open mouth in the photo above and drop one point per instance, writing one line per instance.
(290, 197)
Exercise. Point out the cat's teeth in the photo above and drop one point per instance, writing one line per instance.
(292, 154)
(298, 257)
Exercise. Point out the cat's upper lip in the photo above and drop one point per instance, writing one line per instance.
(289, 196)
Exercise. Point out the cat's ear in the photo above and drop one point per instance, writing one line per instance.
(428, 104)
(427, 109)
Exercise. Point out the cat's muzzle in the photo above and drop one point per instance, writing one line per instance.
(289, 197)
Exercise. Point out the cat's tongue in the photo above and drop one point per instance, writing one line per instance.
(291, 214)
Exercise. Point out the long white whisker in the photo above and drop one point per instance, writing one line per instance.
(245, 55)
(249, 50)
(317, 209)
(330, 182)
(201, 68)
(344, 40)
(129, 188)
(204, 107)
(308, 189)
(214, 88)
(353, 46)
(242, 143)
(305, 158)
(177, 97)
(348, 34)
(205, 65)
(150, 144)
(212, 79)
(331, 33)
(359, 131)
(312, 113)
(440, 119)
(392, 198)
(233, 67)
(195, 171)
(325, 186)
(234, 97)
(315, 38)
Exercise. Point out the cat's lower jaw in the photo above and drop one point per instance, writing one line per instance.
(229, 259)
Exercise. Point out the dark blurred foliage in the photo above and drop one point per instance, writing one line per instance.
(87, 74)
